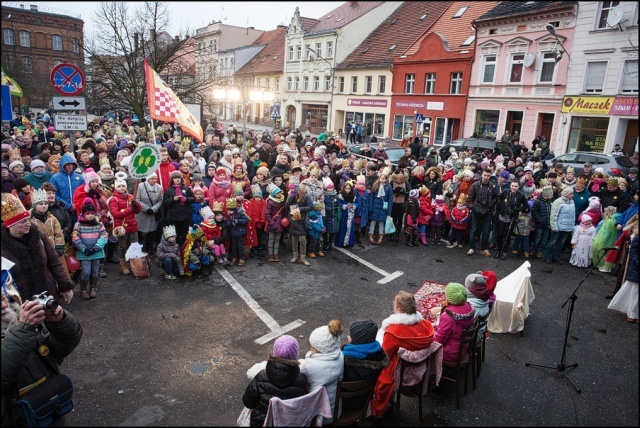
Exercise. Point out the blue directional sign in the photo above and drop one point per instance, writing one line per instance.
(274, 111)
(7, 112)
(419, 118)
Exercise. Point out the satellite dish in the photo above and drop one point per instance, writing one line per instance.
(529, 59)
(615, 15)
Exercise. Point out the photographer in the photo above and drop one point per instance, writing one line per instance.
(34, 342)
(511, 203)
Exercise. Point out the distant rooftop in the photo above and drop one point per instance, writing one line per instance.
(26, 7)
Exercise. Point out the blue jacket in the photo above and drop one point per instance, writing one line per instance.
(237, 223)
(314, 224)
(378, 211)
(66, 183)
(331, 212)
(196, 218)
(363, 202)
(627, 214)
(632, 270)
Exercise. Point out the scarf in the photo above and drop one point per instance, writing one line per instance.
(221, 183)
(596, 184)
(348, 197)
(105, 176)
(360, 352)
(480, 291)
(330, 192)
(278, 199)
(239, 175)
(381, 192)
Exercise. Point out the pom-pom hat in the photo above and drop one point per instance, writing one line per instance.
(88, 206)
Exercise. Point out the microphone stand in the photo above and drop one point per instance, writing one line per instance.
(562, 366)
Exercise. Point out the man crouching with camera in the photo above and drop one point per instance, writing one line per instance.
(36, 337)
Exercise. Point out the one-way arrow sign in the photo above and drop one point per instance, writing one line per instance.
(69, 103)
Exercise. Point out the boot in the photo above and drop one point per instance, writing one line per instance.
(83, 289)
(124, 268)
(93, 288)
(102, 273)
(111, 249)
(371, 240)
(414, 240)
(408, 241)
(241, 262)
(380, 238)
(220, 260)
(423, 239)
(276, 258)
(358, 241)
(311, 255)
(295, 257)
(320, 254)
(303, 260)
(526, 254)
(225, 261)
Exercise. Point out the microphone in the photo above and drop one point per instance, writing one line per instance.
(611, 248)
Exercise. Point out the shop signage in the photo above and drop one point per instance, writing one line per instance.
(627, 106)
(435, 105)
(593, 143)
(410, 104)
(365, 102)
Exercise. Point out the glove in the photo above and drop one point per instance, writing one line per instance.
(150, 211)
(93, 192)
(134, 205)
(88, 251)
(96, 249)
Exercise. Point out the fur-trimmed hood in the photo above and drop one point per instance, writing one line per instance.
(405, 319)
(372, 364)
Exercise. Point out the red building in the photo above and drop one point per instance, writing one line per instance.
(431, 78)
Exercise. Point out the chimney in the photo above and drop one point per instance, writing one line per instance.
(176, 39)
(33, 7)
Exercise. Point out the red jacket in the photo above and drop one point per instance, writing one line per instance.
(210, 230)
(459, 218)
(122, 213)
(163, 174)
(100, 202)
(255, 211)
(425, 209)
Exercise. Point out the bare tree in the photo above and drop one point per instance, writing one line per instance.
(123, 37)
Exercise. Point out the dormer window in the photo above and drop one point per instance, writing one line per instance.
(423, 16)
(460, 11)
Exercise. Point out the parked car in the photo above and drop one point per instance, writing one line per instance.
(616, 165)
(394, 152)
(480, 145)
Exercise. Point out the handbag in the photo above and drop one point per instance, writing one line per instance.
(389, 227)
(44, 404)
(141, 267)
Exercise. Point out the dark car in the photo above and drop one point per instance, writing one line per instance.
(480, 145)
(617, 165)
(394, 152)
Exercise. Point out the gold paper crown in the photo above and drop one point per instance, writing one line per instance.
(38, 196)
(217, 207)
(232, 204)
(12, 210)
(462, 199)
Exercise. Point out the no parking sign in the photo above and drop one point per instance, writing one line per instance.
(67, 79)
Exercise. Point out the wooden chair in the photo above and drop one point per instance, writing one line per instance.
(466, 355)
(419, 389)
(359, 389)
(479, 346)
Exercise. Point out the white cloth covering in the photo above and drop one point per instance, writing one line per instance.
(626, 300)
(514, 294)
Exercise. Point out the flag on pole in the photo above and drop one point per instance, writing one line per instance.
(165, 106)
(14, 88)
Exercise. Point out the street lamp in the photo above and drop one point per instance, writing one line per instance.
(235, 95)
(552, 30)
(331, 76)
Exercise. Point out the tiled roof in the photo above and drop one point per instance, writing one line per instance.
(514, 8)
(271, 58)
(456, 30)
(401, 29)
(308, 23)
(342, 15)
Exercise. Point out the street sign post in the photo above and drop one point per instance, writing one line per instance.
(70, 122)
(7, 111)
(67, 79)
(274, 111)
(419, 118)
(69, 103)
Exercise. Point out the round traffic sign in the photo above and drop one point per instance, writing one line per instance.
(67, 79)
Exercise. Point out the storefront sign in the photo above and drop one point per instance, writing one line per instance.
(410, 104)
(434, 105)
(593, 105)
(593, 143)
(627, 106)
(364, 102)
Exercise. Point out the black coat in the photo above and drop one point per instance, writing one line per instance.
(281, 378)
(619, 199)
(176, 210)
(632, 270)
(367, 369)
(511, 204)
(541, 212)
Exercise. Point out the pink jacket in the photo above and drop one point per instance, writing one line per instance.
(450, 330)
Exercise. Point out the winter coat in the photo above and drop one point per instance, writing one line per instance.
(241, 184)
(50, 226)
(618, 198)
(454, 319)
(511, 202)
(123, 213)
(224, 233)
(22, 365)
(562, 217)
(7, 183)
(178, 210)
(196, 206)
(440, 214)
(459, 217)
(331, 212)
(363, 202)
(324, 370)
(237, 223)
(435, 186)
(483, 195)
(99, 201)
(632, 267)
(37, 265)
(400, 187)
(367, 368)
(60, 213)
(87, 235)
(164, 174)
(344, 176)
(541, 212)
(149, 197)
(217, 193)
(66, 183)
(297, 227)
(273, 212)
(378, 211)
(426, 210)
(255, 211)
(314, 224)
(281, 378)
(168, 250)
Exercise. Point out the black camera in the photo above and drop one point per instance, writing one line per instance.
(47, 302)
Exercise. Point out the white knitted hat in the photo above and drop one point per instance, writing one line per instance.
(322, 340)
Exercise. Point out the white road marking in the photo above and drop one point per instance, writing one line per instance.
(387, 277)
(272, 324)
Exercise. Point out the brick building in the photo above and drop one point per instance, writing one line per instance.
(33, 42)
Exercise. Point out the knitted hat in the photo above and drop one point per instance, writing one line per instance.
(196, 176)
(491, 279)
(88, 207)
(221, 170)
(120, 179)
(413, 193)
(322, 340)
(362, 332)
(567, 191)
(14, 164)
(197, 188)
(263, 170)
(90, 175)
(175, 174)
(505, 174)
(256, 191)
(19, 183)
(275, 191)
(38, 196)
(439, 199)
(594, 203)
(25, 152)
(474, 278)
(455, 293)
(286, 347)
(35, 164)
(12, 209)
(585, 219)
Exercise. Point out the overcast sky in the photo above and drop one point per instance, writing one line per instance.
(261, 15)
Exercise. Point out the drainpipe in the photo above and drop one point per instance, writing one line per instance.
(473, 59)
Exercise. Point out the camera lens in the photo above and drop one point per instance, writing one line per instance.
(51, 305)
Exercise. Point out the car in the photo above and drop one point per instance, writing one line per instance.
(613, 165)
(479, 145)
(394, 152)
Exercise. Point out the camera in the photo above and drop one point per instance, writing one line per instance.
(47, 302)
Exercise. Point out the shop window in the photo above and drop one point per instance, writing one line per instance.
(425, 130)
(487, 124)
(402, 126)
(588, 134)
(444, 130)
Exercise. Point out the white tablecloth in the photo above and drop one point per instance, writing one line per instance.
(514, 294)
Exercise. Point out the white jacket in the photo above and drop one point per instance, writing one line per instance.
(324, 369)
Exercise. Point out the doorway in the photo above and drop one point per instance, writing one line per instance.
(291, 117)
(545, 125)
(631, 138)
(514, 122)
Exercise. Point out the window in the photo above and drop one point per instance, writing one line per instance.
(341, 85)
(76, 45)
(215, 46)
(11, 61)
(327, 83)
(27, 65)
(402, 126)
(25, 39)
(277, 84)
(297, 84)
(289, 83)
(382, 84)
(409, 83)
(469, 40)
(329, 49)
(487, 123)
(354, 84)
(316, 83)
(290, 53)
(548, 67)
(307, 49)
(267, 83)
(319, 49)
(259, 83)
(430, 83)
(460, 11)
(444, 130)
(456, 83)
(305, 83)
(605, 9)
(629, 80)
(488, 68)
(588, 134)
(368, 84)
(298, 52)
(594, 77)
(7, 34)
(517, 67)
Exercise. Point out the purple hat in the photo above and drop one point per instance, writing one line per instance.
(286, 347)
(505, 174)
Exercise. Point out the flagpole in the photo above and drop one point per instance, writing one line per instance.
(153, 131)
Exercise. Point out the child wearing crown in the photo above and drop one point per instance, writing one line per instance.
(198, 205)
(168, 253)
(255, 208)
(212, 232)
(237, 221)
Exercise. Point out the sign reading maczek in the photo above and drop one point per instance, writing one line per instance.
(626, 106)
